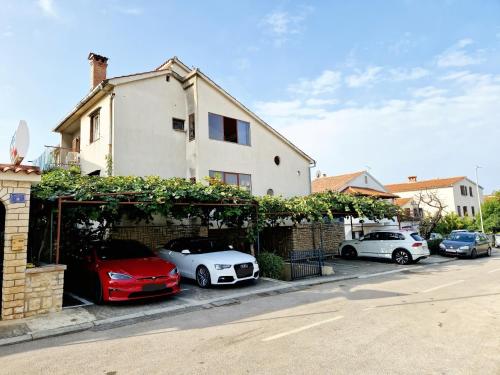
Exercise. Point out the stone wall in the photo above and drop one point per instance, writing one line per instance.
(281, 240)
(14, 258)
(44, 289)
(156, 236)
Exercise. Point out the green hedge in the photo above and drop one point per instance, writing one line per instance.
(434, 245)
(270, 265)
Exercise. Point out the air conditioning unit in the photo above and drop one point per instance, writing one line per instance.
(73, 158)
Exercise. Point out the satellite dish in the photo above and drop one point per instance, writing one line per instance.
(20, 143)
(318, 173)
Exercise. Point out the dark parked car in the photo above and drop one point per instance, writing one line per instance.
(466, 244)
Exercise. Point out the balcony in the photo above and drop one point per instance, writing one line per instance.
(57, 157)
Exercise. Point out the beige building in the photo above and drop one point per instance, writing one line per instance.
(455, 194)
(174, 121)
(361, 184)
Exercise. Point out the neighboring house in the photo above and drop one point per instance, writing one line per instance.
(361, 184)
(411, 213)
(456, 194)
(174, 121)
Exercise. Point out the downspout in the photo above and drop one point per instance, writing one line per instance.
(111, 132)
(311, 165)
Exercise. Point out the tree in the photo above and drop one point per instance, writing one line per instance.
(491, 213)
(452, 221)
(428, 223)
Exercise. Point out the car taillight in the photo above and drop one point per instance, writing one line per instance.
(417, 244)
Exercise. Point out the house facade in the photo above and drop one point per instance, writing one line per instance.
(174, 121)
(361, 184)
(455, 194)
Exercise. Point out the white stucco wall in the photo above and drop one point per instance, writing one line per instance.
(256, 159)
(144, 142)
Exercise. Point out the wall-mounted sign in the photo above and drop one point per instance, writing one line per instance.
(18, 242)
(19, 143)
(17, 198)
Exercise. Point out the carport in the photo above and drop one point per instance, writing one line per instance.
(65, 203)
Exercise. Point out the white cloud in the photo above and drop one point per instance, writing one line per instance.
(282, 24)
(327, 82)
(366, 78)
(48, 8)
(398, 136)
(457, 56)
(314, 102)
(400, 74)
(429, 91)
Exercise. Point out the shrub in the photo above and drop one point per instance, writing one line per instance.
(271, 265)
(434, 245)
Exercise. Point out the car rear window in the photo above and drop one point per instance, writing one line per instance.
(122, 249)
(416, 237)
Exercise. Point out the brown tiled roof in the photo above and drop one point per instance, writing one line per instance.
(28, 169)
(423, 185)
(333, 183)
(368, 192)
(401, 201)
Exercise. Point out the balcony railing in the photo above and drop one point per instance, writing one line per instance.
(57, 157)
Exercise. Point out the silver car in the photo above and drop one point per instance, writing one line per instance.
(465, 244)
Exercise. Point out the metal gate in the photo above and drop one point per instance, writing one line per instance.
(307, 263)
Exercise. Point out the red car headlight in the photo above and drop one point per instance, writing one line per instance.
(118, 276)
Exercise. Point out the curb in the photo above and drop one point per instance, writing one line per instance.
(214, 302)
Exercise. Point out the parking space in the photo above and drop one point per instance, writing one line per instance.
(190, 295)
(369, 266)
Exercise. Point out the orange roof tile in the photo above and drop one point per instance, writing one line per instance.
(333, 183)
(423, 185)
(19, 168)
(402, 201)
(368, 192)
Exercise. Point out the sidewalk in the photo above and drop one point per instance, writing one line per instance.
(76, 319)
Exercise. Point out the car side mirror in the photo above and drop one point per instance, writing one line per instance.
(185, 252)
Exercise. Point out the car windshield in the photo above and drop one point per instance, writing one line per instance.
(120, 249)
(416, 237)
(207, 246)
(462, 237)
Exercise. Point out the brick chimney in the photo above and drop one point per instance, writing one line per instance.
(412, 178)
(98, 65)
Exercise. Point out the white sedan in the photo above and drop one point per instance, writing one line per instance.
(401, 246)
(209, 261)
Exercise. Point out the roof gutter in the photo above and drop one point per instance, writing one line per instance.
(103, 86)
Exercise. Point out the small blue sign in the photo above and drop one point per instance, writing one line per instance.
(17, 198)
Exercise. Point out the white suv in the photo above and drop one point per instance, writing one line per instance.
(401, 246)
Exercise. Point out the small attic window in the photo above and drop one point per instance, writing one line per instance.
(177, 124)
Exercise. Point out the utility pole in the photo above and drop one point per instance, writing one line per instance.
(479, 200)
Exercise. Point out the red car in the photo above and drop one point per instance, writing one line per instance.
(122, 270)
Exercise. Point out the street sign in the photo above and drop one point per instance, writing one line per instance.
(17, 198)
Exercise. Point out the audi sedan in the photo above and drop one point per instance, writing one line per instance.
(121, 270)
(210, 261)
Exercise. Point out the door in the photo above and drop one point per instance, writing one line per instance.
(2, 238)
(182, 261)
(371, 245)
(391, 241)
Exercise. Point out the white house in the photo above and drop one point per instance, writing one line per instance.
(174, 121)
(361, 184)
(456, 194)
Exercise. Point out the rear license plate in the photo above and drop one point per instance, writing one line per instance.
(153, 287)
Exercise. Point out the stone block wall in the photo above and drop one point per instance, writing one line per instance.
(156, 236)
(14, 258)
(281, 240)
(44, 289)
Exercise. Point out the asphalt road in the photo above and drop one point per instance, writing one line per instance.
(439, 319)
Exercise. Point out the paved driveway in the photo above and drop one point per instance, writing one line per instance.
(368, 266)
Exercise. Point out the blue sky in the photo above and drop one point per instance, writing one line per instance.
(399, 87)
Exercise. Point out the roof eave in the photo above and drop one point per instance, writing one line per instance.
(104, 86)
